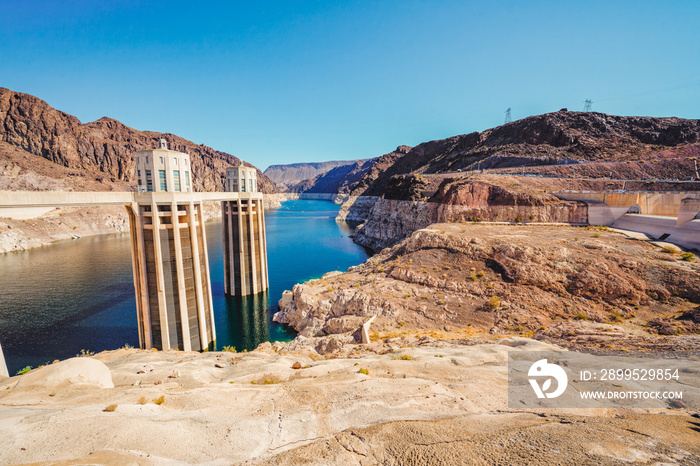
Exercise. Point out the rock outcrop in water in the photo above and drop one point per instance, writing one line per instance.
(506, 279)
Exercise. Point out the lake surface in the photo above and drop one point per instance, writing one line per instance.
(73, 295)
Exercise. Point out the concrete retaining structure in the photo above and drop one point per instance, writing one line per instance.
(674, 214)
(605, 208)
(687, 235)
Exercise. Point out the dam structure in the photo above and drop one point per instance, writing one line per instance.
(245, 246)
(168, 245)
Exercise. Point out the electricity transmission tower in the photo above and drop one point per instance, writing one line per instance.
(587, 105)
(508, 118)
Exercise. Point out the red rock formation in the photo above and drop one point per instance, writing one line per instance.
(105, 145)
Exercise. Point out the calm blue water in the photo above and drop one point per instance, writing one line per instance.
(75, 295)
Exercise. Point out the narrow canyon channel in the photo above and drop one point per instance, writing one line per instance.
(79, 295)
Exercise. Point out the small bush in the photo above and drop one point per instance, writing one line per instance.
(111, 408)
(404, 357)
(581, 316)
(688, 256)
(616, 317)
(160, 400)
(267, 379)
(518, 219)
(24, 370)
(493, 302)
(363, 371)
(480, 274)
(596, 235)
(85, 353)
(669, 250)
(229, 349)
(473, 277)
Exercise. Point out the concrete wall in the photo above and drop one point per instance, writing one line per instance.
(686, 235)
(663, 204)
(656, 214)
(690, 209)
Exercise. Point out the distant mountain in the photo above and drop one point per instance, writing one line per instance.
(339, 180)
(101, 151)
(286, 176)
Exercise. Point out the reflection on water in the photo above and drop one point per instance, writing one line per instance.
(247, 322)
(75, 295)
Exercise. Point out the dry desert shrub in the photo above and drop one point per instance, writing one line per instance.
(111, 408)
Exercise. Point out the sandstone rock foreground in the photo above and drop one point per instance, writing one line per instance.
(447, 405)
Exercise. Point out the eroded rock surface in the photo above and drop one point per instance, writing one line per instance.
(507, 279)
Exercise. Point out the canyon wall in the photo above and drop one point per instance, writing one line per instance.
(388, 221)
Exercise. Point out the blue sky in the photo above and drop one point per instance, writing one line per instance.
(294, 81)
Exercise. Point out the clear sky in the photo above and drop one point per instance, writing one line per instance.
(297, 81)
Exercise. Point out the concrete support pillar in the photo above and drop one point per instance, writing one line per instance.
(171, 274)
(245, 246)
(3, 366)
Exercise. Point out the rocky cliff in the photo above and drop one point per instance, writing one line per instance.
(475, 199)
(103, 149)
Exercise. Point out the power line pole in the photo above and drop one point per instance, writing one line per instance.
(587, 105)
(508, 118)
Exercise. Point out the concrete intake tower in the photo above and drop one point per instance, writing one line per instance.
(169, 249)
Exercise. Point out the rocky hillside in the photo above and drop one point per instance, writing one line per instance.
(552, 139)
(411, 188)
(286, 176)
(101, 150)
